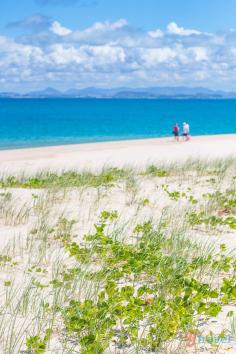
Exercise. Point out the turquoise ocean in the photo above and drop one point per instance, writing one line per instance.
(46, 122)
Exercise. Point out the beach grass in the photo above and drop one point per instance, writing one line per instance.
(119, 261)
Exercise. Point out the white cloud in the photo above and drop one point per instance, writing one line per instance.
(35, 22)
(64, 55)
(105, 54)
(92, 56)
(101, 33)
(173, 28)
(201, 75)
(11, 51)
(115, 52)
(108, 26)
(200, 53)
(58, 29)
(155, 56)
(156, 34)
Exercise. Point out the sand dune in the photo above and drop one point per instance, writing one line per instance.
(38, 227)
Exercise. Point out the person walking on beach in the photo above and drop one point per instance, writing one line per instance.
(186, 131)
(176, 131)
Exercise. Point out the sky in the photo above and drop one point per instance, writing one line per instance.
(117, 43)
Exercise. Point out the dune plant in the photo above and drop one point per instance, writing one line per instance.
(144, 286)
(139, 281)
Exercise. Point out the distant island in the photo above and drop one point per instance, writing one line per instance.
(125, 93)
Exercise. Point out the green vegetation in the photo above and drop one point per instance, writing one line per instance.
(119, 261)
(220, 210)
(37, 345)
(66, 179)
(225, 201)
(201, 218)
(155, 171)
(163, 294)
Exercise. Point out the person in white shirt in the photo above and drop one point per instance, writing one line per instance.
(186, 131)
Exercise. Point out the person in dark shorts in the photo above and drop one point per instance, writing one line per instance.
(186, 131)
(176, 132)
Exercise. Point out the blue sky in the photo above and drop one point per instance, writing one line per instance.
(79, 43)
(206, 15)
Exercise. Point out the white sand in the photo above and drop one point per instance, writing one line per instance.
(131, 152)
(85, 205)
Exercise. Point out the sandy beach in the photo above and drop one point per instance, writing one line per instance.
(95, 156)
(44, 222)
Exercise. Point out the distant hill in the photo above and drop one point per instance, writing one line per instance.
(127, 93)
(48, 92)
(134, 94)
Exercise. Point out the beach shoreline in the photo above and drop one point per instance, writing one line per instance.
(138, 153)
(50, 225)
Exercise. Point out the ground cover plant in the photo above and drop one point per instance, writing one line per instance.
(66, 179)
(119, 261)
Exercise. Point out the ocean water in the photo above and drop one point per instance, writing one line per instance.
(45, 122)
